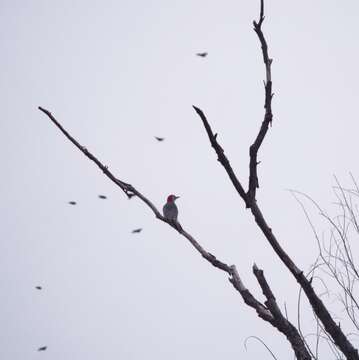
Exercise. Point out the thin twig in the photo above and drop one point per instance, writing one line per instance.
(262, 342)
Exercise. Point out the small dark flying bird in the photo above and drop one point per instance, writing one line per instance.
(42, 348)
(102, 197)
(38, 287)
(136, 231)
(202, 54)
(72, 202)
(159, 138)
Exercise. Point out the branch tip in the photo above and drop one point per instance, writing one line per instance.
(198, 111)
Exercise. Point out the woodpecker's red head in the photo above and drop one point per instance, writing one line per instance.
(172, 198)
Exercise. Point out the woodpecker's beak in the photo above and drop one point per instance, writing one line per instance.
(177, 197)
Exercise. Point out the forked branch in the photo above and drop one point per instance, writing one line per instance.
(262, 311)
(268, 311)
(281, 322)
(340, 339)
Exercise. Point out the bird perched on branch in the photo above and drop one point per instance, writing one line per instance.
(170, 211)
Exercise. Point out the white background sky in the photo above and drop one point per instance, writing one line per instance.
(116, 73)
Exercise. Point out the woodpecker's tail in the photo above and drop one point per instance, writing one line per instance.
(177, 225)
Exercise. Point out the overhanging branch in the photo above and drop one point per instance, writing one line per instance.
(262, 311)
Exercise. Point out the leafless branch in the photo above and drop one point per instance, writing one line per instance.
(222, 158)
(269, 311)
(281, 322)
(319, 308)
(129, 189)
(336, 256)
(268, 116)
(261, 310)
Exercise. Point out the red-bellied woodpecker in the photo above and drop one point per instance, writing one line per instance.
(170, 211)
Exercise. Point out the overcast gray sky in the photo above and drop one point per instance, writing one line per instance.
(116, 74)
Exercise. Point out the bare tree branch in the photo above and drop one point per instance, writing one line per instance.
(319, 308)
(271, 315)
(249, 299)
(268, 116)
(222, 158)
(281, 322)
(269, 311)
(262, 311)
(129, 189)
